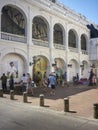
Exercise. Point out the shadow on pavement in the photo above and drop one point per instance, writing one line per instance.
(63, 92)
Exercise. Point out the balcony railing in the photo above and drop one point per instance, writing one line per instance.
(13, 37)
(40, 42)
(84, 52)
(59, 46)
(72, 49)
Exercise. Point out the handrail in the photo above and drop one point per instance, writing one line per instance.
(72, 49)
(13, 37)
(40, 42)
(59, 46)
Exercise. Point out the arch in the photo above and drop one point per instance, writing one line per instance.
(60, 63)
(18, 57)
(18, 51)
(73, 70)
(41, 66)
(13, 20)
(84, 69)
(58, 34)
(40, 28)
(72, 38)
(83, 42)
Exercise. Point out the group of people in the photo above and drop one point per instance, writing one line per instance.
(26, 83)
(92, 80)
(50, 81)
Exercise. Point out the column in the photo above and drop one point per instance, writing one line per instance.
(29, 39)
(67, 52)
(51, 46)
(66, 39)
(0, 23)
(79, 53)
(29, 27)
(30, 70)
(79, 43)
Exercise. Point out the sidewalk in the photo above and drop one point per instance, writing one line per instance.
(22, 116)
(81, 99)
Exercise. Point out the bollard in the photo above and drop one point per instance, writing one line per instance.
(41, 100)
(1, 92)
(12, 94)
(66, 104)
(96, 110)
(25, 97)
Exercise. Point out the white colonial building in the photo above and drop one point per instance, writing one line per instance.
(38, 35)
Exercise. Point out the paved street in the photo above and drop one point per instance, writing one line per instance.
(81, 99)
(22, 116)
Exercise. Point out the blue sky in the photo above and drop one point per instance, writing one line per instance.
(88, 8)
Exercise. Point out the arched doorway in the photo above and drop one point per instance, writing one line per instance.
(20, 65)
(41, 65)
(85, 69)
(60, 64)
(73, 69)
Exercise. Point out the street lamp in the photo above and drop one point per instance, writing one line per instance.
(92, 66)
(34, 60)
(81, 66)
(55, 63)
(69, 65)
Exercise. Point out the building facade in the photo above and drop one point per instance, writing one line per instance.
(44, 36)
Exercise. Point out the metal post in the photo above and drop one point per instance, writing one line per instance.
(12, 94)
(66, 104)
(1, 92)
(96, 110)
(25, 97)
(41, 100)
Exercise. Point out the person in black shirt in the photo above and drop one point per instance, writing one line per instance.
(11, 82)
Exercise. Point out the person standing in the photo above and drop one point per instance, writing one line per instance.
(91, 77)
(64, 77)
(11, 82)
(94, 80)
(45, 75)
(29, 88)
(52, 80)
(38, 78)
(45, 84)
(4, 82)
(77, 77)
(24, 82)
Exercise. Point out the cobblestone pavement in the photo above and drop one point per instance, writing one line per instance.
(81, 99)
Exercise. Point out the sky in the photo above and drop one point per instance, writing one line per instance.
(88, 8)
